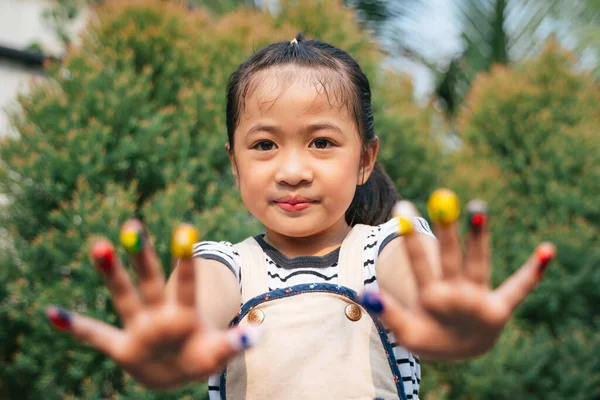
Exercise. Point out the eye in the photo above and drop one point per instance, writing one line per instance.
(322, 143)
(264, 145)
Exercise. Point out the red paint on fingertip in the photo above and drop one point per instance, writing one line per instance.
(478, 219)
(545, 253)
(60, 318)
(103, 253)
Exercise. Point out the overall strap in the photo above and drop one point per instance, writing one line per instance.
(350, 263)
(253, 270)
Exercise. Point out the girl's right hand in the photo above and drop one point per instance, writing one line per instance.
(164, 343)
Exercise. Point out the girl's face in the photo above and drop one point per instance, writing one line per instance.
(297, 156)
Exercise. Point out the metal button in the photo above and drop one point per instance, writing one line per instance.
(256, 316)
(353, 312)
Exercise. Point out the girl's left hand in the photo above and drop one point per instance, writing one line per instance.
(457, 315)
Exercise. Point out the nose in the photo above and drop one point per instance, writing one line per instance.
(294, 169)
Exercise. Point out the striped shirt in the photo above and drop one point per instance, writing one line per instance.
(284, 272)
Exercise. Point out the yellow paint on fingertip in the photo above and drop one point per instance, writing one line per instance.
(443, 206)
(404, 226)
(182, 241)
(131, 240)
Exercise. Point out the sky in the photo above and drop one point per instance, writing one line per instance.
(438, 38)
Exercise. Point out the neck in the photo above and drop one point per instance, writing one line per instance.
(317, 244)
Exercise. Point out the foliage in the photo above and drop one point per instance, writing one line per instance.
(578, 20)
(531, 148)
(132, 123)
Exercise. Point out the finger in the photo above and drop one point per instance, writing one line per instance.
(145, 261)
(391, 313)
(419, 261)
(518, 285)
(477, 263)
(100, 335)
(444, 209)
(216, 348)
(183, 239)
(124, 295)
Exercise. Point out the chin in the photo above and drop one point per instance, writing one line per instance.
(296, 227)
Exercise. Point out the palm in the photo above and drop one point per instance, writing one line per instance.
(164, 342)
(456, 314)
(460, 315)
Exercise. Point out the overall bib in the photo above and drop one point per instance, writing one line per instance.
(318, 342)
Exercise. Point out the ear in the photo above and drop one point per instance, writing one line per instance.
(234, 169)
(368, 159)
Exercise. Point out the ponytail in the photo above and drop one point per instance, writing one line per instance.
(374, 200)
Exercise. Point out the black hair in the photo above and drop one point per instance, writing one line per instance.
(373, 201)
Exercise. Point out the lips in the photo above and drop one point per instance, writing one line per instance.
(294, 200)
(294, 203)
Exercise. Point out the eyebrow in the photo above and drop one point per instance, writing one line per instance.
(310, 128)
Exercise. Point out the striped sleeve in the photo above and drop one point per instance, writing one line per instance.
(224, 252)
(389, 230)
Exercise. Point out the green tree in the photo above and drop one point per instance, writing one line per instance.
(132, 123)
(531, 148)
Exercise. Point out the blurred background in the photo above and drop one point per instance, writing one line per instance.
(116, 108)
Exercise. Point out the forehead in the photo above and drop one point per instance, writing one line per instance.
(298, 89)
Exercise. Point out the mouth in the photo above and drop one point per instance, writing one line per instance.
(294, 203)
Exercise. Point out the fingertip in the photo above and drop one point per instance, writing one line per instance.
(405, 211)
(132, 235)
(183, 239)
(60, 318)
(372, 301)
(103, 254)
(544, 254)
(243, 338)
(477, 214)
(443, 206)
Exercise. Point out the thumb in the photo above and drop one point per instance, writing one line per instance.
(225, 345)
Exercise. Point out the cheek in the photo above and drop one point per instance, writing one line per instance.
(341, 179)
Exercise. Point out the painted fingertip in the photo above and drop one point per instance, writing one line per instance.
(544, 254)
(372, 302)
(132, 239)
(405, 212)
(182, 241)
(477, 212)
(443, 206)
(60, 318)
(103, 255)
(244, 338)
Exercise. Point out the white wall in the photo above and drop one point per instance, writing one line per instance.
(22, 23)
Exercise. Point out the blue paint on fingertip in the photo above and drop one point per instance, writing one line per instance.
(372, 302)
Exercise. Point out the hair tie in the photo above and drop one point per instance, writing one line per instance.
(299, 37)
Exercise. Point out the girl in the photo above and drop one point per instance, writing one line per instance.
(303, 153)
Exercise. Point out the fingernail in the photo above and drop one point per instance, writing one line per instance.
(443, 206)
(243, 338)
(59, 317)
(372, 302)
(477, 212)
(182, 241)
(103, 254)
(404, 211)
(545, 253)
(132, 239)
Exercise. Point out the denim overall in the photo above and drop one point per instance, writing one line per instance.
(318, 342)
